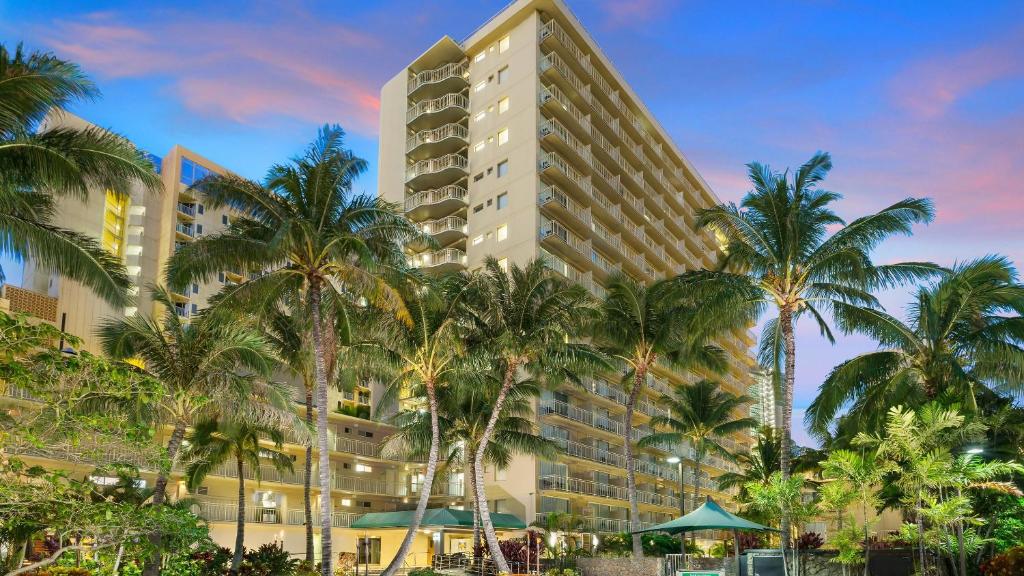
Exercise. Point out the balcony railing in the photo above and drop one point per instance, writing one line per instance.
(227, 511)
(554, 160)
(568, 270)
(553, 194)
(549, 93)
(446, 256)
(439, 74)
(554, 229)
(552, 126)
(435, 165)
(189, 209)
(552, 61)
(436, 196)
(447, 224)
(590, 488)
(185, 229)
(338, 519)
(436, 105)
(553, 29)
(448, 131)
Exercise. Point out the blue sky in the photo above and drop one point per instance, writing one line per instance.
(912, 99)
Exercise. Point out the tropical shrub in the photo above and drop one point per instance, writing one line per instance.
(1009, 563)
(621, 544)
(63, 571)
(809, 541)
(561, 572)
(752, 540)
(424, 572)
(270, 559)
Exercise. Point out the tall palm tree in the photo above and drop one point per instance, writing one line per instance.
(526, 320)
(39, 164)
(220, 440)
(964, 336)
(306, 232)
(703, 415)
(758, 465)
(205, 365)
(421, 358)
(641, 327)
(780, 254)
(287, 331)
(464, 411)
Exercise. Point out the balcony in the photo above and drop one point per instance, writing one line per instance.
(442, 260)
(446, 230)
(213, 510)
(571, 244)
(554, 199)
(338, 519)
(442, 110)
(437, 171)
(590, 488)
(551, 34)
(552, 164)
(436, 202)
(556, 134)
(188, 210)
(554, 100)
(553, 66)
(445, 78)
(185, 231)
(442, 140)
(567, 270)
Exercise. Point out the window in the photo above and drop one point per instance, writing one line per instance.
(220, 277)
(480, 86)
(478, 208)
(479, 146)
(503, 75)
(500, 504)
(502, 136)
(195, 308)
(368, 551)
(199, 229)
(479, 116)
(201, 208)
(503, 44)
(500, 474)
(502, 200)
(478, 239)
(502, 168)
(479, 57)
(503, 264)
(478, 177)
(224, 219)
(363, 468)
(195, 288)
(346, 501)
(503, 105)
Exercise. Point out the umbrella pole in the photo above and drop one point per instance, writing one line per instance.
(736, 550)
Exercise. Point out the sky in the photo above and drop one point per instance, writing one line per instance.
(912, 99)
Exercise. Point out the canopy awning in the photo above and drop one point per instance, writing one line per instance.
(710, 516)
(435, 517)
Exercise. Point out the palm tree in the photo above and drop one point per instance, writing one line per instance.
(288, 333)
(963, 336)
(204, 366)
(39, 164)
(220, 440)
(758, 465)
(306, 232)
(779, 253)
(642, 327)
(701, 414)
(524, 319)
(464, 411)
(421, 359)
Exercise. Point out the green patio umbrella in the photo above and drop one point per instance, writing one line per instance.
(710, 516)
(434, 517)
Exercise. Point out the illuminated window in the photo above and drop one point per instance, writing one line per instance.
(503, 105)
(503, 44)
(479, 57)
(363, 468)
(503, 136)
(503, 75)
(503, 264)
(479, 146)
(346, 501)
(502, 232)
(478, 239)
(479, 116)
(480, 86)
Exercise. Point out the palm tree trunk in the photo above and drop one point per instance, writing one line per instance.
(478, 468)
(324, 460)
(474, 496)
(920, 530)
(639, 377)
(152, 567)
(867, 545)
(236, 560)
(307, 500)
(785, 441)
(960, 544)
(428, 483)
(696, 489)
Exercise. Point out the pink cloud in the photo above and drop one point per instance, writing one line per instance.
(929, 87)
(298, 68)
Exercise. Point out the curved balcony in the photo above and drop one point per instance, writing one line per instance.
(442, 260)
(441, 110)
(437, 171)
(444, 78)
(443, 140)
(436, 202)
(446, 230)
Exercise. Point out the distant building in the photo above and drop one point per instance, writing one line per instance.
(765, 408)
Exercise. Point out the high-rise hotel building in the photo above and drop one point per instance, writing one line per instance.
(523, 141)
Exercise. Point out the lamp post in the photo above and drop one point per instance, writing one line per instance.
(682, 500)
